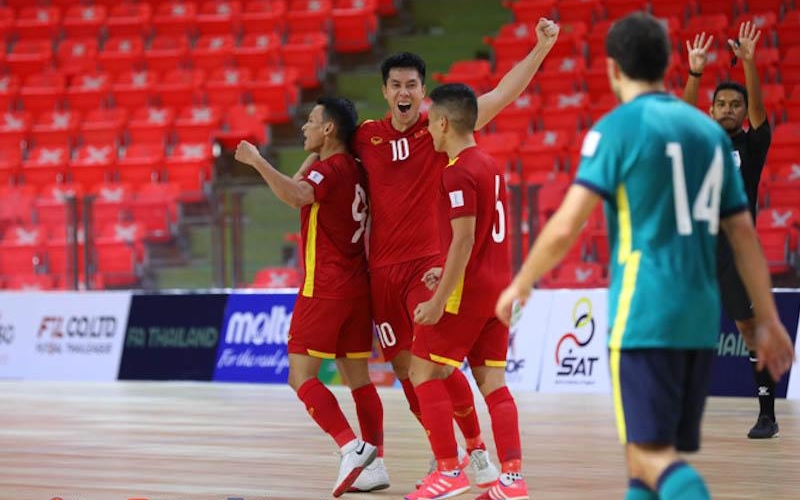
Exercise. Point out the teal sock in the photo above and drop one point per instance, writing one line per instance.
(637, 490)
(681, 482)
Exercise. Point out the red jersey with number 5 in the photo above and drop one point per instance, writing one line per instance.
(403, 172)
(333, 229)
(474, 185)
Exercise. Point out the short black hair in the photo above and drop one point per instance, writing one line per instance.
(459, 104)
(738, 87)
(403, 60)
(342, 113)
(639, 44)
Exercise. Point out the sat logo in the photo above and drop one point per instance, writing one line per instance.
(568, 355)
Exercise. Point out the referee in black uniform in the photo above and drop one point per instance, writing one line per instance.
(731, 104)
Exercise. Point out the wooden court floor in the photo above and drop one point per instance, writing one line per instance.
(198, 441)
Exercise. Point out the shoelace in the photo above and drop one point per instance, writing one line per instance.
(479, 459)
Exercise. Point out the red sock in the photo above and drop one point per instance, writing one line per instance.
(370, 415)
(464, 409)
(411, 396)
(505, 426)
(321, 404)
(437, 416)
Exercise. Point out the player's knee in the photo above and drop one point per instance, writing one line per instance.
(296, 380)
(647, 462)
(489, 379)
(401, 364)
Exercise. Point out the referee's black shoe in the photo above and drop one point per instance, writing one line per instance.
(766, 427)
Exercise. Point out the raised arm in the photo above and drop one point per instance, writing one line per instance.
(294, 193)
(745, 50)
(517, 79)
(773, 344)
(698, 54)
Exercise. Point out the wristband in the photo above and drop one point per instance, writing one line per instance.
(695, 74)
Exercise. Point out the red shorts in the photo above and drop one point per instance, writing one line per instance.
(396, 291)
(482, 341)
(328, 328)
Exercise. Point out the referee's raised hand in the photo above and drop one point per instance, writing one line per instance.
(698, 52)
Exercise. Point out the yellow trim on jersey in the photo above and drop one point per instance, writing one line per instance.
(358, 355)
(625, 230)
(311, 251)
(451, 162)
(445, 361)
(629, 275)
(495, 364)
(616, 387)
(454, 300)
(320, 354)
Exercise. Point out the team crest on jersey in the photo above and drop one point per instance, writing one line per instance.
(376, 140)
(456, 199)
(315, 177)
(420, 133)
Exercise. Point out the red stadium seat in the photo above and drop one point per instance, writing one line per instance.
(43, 92)
(309, 16)
(503, 146)
(219, 17)
(129, 19)
(264, 17)
(103, 126)
(529, 11)
(225, 86)
(277, 89)
(84, 20)
(211, 52)
(543, 151)
(175, 17)
(180, 87)
(37, 23)
(243, 122)
(134, 89)
(140, 163)
(354, 29)
(77, 55)
(56, 129)
(9, 90)
(197, 123)
(167, 52)
(93, 165)
(29, 56)
(257, 51)
(151, 125)
(89, 91)
(122, 54)
(519, 117)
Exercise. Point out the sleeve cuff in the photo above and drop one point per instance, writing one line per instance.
(594, 188)
(733, 211)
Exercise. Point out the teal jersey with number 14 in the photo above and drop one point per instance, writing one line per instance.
(667, 176)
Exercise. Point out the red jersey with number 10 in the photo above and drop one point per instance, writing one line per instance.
(404, 173)
(474, 185)
(333, 229)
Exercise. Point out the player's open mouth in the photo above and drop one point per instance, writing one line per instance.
(404, 108)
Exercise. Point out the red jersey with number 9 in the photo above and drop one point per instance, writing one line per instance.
(333, 230)
(404, 173)
(473, 185)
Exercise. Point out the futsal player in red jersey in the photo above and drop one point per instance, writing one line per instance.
(331, 318)
(473, 219)
(403, 172)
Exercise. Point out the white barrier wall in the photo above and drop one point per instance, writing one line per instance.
(63, 335)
